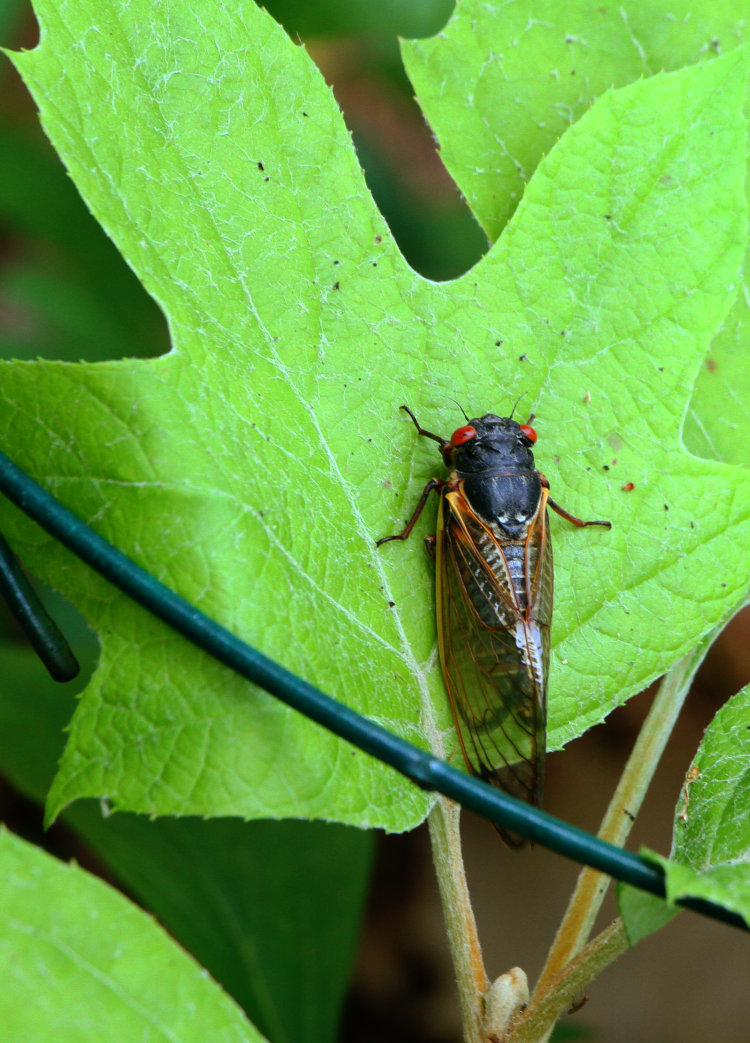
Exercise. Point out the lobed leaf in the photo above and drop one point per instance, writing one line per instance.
(504, 80)
(253, 467)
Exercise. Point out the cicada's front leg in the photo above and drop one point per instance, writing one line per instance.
(578, 522)
(434, 483)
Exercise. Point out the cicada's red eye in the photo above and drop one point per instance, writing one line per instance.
(530, 433)
(462, 435)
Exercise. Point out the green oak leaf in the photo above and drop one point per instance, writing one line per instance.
(503, 81)
(719, 412)
(253, 467)
(97, 967)
(710, 856)
(514, 76)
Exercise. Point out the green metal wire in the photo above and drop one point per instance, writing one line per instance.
(422, 768)
(45, 636)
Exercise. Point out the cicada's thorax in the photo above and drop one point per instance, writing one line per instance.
(498, 480)
(507, 504)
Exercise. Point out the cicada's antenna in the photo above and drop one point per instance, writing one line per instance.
(461, 408)
(515, 405)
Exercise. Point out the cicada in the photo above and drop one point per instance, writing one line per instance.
(494, 598)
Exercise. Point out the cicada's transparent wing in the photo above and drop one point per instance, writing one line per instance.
(494, 604)
(540, 572)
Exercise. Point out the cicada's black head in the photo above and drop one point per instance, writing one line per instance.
(490, 443)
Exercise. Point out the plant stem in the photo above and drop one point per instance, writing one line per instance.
(461, 927)
(624, 806)
(539, 1018)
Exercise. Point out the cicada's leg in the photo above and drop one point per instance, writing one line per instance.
(578, 522)
(434, 483)
(421, 430)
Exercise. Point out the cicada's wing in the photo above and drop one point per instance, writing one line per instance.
(494, 606)
(540, 571)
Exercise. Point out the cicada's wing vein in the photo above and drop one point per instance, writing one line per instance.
(492, 652)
